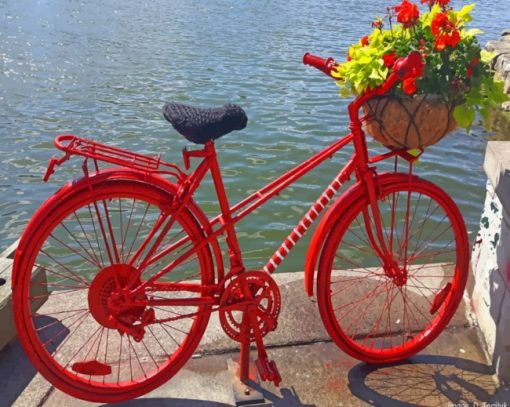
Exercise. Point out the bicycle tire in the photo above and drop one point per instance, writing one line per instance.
(373, 313)
(71, 328)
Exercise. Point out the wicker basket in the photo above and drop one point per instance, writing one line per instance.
(415, 122)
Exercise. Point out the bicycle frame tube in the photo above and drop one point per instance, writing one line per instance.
(231, 215)
(308, 219)
(359, 163)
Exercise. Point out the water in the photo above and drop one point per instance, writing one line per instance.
(104, 70)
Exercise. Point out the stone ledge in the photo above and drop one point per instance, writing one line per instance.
(7, 329)
(501, 61)
(497, 168)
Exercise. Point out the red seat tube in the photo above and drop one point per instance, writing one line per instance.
(235, 257)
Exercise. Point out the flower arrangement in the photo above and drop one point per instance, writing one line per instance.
(454, 69)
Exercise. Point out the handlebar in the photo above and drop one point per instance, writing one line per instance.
(323, 65)
(407, 67)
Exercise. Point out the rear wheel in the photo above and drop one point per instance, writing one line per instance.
(76, 267)
(386, 310)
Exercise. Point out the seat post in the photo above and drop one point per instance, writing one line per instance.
(235, 258)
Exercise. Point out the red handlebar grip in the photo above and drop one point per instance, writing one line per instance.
(323, 65)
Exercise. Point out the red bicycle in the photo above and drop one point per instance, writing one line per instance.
(117, 274)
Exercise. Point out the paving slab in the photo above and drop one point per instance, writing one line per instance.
(450, 371)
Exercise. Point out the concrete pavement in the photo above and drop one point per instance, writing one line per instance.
(451, 371)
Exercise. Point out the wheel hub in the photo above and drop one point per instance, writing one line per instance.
(108, 294)
(396, 273)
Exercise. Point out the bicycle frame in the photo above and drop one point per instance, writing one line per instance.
(115, 298)
(230, 215)
(360, 163)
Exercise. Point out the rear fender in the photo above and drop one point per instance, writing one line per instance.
(78, 185)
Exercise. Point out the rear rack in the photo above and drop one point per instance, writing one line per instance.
(73, 145)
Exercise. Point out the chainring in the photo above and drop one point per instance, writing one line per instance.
(265, 301)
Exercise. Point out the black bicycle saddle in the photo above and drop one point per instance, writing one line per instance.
(201, 125)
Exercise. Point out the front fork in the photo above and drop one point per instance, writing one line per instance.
(382, 241)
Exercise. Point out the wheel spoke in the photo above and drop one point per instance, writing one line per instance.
(92, 252)
(377, 308)
(76, 268)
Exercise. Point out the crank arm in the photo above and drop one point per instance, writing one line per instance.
(266, 367)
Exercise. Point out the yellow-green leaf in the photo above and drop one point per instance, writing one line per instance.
(470, 33)
(464, 116)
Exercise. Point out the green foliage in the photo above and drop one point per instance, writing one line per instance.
(464, 116)
(455, 66)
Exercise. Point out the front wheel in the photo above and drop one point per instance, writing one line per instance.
(385, 310)
(78, 260)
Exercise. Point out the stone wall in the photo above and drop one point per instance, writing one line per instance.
(490, 260)
(501, 61)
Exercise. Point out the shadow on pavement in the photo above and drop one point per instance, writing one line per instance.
(170, 402)
(288, 398)
(427, 380)
(16, 371)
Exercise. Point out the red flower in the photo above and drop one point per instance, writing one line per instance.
(445, 32)
(416, 65)
(442, 3)
(389, 59)
(378, 23)
(364, 40)
(407, 13)
(474, 62)
(409, 86)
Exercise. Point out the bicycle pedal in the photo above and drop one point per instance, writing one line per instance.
(268, 371)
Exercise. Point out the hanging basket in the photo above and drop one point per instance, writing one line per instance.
(408, 122)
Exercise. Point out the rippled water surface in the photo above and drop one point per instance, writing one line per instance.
(104, 70)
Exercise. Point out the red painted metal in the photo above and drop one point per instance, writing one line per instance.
(73, 145)
(324, 65)
(307, 220)
(359, 312)
(132, 323)
(104, 176)
(92, 368)
(131, 284)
